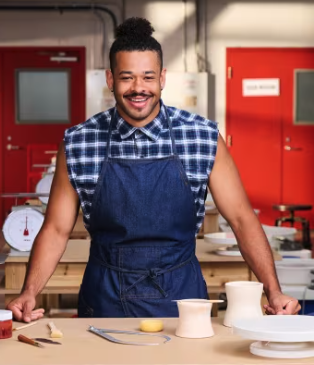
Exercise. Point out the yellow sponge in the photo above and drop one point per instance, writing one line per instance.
(151, 325)
(55, 333)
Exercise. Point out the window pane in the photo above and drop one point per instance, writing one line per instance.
(304, 97)
(43, 97)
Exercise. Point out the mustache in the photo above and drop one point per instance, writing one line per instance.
(134, 95)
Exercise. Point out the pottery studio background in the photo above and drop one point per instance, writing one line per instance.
(213, 52)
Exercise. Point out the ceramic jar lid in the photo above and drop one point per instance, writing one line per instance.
(5, 315)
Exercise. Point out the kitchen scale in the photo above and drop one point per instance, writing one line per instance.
(21, 227)
(23, 224)
(224, 238)
(281, 337)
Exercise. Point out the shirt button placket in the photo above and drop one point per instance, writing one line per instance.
(137, 135)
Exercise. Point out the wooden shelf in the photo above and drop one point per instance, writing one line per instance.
(49, 290)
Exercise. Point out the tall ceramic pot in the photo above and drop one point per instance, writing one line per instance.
(243, 301)
(194, 318)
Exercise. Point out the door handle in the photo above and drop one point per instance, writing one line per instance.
(40, 165)
(229, 140)
(289, 148)
(11, 147)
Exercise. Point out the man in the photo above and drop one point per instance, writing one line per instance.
(140, 173)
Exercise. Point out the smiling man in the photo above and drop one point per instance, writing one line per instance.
(139, 106)
(140, 172)
(136, 76)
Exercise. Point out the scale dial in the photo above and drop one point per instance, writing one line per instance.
(21, 227)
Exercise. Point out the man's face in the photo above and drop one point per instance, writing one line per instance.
(137, 81)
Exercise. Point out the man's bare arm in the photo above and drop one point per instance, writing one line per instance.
(51, 240)
(232, 202)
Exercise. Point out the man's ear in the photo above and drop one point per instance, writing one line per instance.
(109, 79)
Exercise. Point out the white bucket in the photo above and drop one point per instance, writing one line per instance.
(295, 271)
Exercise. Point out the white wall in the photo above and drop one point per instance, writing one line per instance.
(53, 29)
(168, 19)
(228, 23)
(84, 29)
(253, 24)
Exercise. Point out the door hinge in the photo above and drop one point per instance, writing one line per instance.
(229, 140)
(230, 73)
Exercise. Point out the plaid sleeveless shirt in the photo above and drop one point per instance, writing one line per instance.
(196, 144)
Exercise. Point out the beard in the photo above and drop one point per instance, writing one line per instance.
(137, 114)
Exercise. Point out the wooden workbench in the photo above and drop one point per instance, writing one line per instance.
(67, 278)
(81, 347)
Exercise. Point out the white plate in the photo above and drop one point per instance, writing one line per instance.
(276, 328)
(44, 186)
(225, 238)
(225, 252)
(279, 231)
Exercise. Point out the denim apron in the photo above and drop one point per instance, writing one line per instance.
(142, 254)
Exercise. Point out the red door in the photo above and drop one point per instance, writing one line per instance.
(1, 140)
(43, 94)
(272, 153)
(298, 128)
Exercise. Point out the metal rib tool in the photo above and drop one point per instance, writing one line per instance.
(46, 340)
(104, 333)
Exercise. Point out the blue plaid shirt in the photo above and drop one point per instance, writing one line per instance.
(195, 140)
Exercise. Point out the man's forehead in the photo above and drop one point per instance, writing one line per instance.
(145, 53)
(137, 57)
(137, 62)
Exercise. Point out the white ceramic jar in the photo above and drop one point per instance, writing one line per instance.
(194, 318)
(243, 301)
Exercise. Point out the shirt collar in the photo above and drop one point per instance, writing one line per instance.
(152, 129)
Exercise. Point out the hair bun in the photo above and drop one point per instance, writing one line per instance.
(134, 28)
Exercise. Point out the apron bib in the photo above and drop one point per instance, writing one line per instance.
(142, 253)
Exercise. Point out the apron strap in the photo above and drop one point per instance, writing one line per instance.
(174, 149)
(152, 274)
(113, 116)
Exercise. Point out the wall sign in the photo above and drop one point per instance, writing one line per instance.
(260, 87)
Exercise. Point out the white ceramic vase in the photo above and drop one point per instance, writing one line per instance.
(243, 301)
(194, 318)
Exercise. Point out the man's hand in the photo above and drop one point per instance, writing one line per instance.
(60, 218)
(281, 304)
(23, 308)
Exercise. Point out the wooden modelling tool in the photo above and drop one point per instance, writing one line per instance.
(29, 341)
